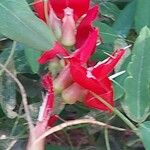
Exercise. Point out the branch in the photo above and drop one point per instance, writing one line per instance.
(11, 145)
(24, 97)
(75, 122)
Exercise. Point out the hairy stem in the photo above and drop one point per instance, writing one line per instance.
(107, 139)
(75, 122)
(118, 113)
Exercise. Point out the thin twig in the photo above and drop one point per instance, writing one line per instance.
(11, 145)
(107, 139)
(75, 122)
(3, 39)
(9, 57)
(24, 97)
(118, 113)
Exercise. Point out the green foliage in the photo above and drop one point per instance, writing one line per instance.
(137, 98)
(107, 33)
(120, 22)
(18, 22)
(142, 16)
(8, 95)
(125, 19)
(53, 147)
(109, 10)
(31, 56)
(144, 130)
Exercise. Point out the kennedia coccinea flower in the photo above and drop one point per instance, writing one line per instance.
(74, 21)
(81, 80)
(95, 79)
(70, 20)
(65, 79)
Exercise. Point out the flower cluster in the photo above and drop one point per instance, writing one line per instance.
(72, 24)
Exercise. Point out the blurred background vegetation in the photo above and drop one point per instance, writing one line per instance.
(120, 22)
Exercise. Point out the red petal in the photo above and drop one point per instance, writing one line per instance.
(59, 6)
(85, 51)
(48, 100)
(47, 82)
(52, 120)
(85, 26)
(93, 102)
(83, 77)
(80, 7)
(38, 6)
(102, 70)
(102, 88)
(50, 54)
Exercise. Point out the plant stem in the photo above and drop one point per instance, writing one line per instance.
(107, 139)
(75, 122)
(24, 97)
(118, 113)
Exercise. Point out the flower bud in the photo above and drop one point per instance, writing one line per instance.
(73, 93)
(68, 28)
(63, 80)
(55, 24)
(55, 66)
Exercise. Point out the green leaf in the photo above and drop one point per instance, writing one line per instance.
(1, 36)
(8, 93)
(32, 86)
(108, 33)
(109, 9)
(125, 19)
(55, 147)
(11, 129)
(118, 90)
(144, 134)
(119, 81)
(19, 23)
(20, 60)
(142, 16)
(101, 51)
(31, 56)
(137, 100)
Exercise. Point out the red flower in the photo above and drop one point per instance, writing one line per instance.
(68, 16)
(85, 27)
(74, 19)
(95, 79)
(84, 52)
(57, 50)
